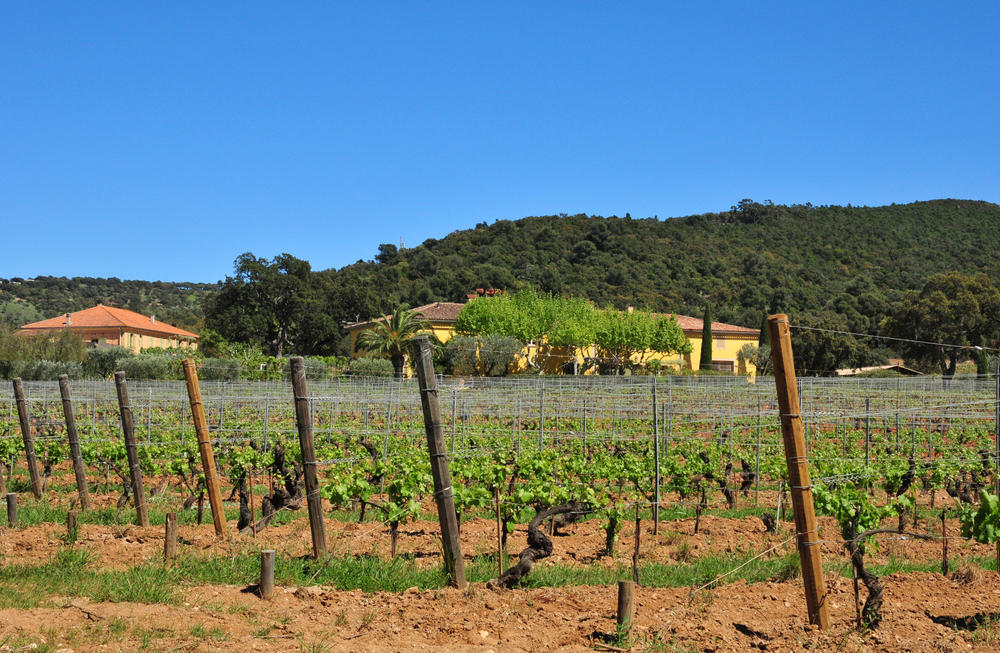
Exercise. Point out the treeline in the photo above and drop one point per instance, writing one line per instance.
(832, 267)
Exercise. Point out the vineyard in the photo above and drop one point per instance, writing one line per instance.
(677, 483)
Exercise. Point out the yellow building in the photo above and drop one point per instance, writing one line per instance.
(727, 339)
(440, 315)
(117, 326)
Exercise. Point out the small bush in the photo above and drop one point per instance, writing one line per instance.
(102, 362)
(42, 370)
(220, 369)
(316, 368)
(151, 366)
(460, 356)
(370, 367)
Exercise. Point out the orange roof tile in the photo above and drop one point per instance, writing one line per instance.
(695, 324)
(102, 316)
(435, 312)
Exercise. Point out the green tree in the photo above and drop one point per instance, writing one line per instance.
(265, 302)
(951, 309)
(706, 340)
(391, 337)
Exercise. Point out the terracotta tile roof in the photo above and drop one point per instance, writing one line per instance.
(435, 312)
(688, 324)
(102, 316)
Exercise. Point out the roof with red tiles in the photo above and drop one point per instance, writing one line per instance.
(695, 324)
(441, 312)
(102, 316)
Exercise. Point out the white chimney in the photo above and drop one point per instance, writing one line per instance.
(152, 318)
(68, 319)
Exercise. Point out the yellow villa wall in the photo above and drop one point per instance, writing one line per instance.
(725, 348)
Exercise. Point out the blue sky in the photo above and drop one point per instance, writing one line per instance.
(161, 142)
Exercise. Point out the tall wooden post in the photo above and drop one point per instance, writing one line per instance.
(131, 450)
(421, 351)
(303, 420)
(204, 446)
(74, 443)
(798, 470)
(656, 464)
(29, 439)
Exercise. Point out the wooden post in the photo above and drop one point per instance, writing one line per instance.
(303, 420)
(72, 529)
(131, 450)
(205, 446)
(74, 443)
(448, 519)
(496, 501)
(12, 509)
(29, 440)
(798, 470)
(266, 575)
(656, 464)
(626, 605)
(170, 537)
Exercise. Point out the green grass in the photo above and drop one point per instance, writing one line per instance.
(68, 574)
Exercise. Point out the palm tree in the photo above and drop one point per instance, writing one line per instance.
(391, 336)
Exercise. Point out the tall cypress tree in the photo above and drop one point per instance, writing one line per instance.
(706, 340)
(765, 337)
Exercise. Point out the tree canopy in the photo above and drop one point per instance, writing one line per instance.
(951, 309)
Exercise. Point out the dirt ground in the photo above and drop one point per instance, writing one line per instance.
(730, 617)
(736, 617)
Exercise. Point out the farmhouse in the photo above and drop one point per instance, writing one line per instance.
(727, 339)
(107, 325)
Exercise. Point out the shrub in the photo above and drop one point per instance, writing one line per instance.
(371, 367)
(104, 361)
(151, 366)
(460, 356)
(49, 370)
(220, 369)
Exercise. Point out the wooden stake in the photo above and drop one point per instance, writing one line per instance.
(496, 501)
(266, 575)
(205, 446)
(29, 440)
(447, 518)
(74, 443)
(944, 546)
(635, 549)
(656, 464)
(72, 530)
(798, 470)
(131, 451)
(303, 420)
(626, 605)
(12, 509)
(170, 537)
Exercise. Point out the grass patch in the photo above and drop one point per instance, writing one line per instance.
(68, 574)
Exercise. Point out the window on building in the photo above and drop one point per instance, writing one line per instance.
(723, 366)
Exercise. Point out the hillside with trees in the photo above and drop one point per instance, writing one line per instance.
(832, 267)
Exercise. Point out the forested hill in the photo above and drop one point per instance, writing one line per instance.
(831, 266)
(756, 258)
(29, 300)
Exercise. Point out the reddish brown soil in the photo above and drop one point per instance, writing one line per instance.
(126, 545)
(548, 619)
(730, 617)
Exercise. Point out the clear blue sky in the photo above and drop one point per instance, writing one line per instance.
(160, 143)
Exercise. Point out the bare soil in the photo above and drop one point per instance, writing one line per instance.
(735, 617)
